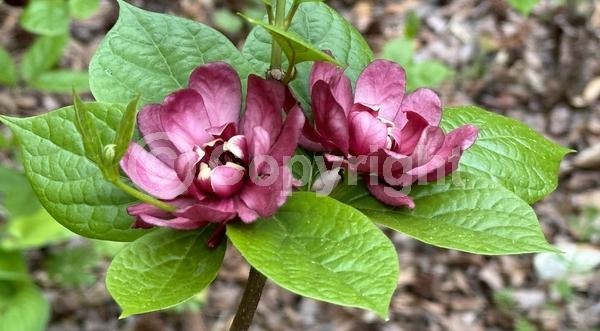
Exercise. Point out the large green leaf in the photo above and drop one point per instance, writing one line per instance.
(42, 55)
(22, 307)
(163, 269)
(325, 29)
(69, 185)
(8, 68)
(46, 17)
(320, 248)
(509, 152)
(152, 55)
(463, 212)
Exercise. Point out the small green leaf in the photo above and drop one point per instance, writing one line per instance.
(8, 68)
(462, 212)
(325, 29)
(163, 269)
(152, 55)
(83, 9)
(296, 49)
(508, 152)
(12, 266)
(322, 249)
(46, 17)
(42, 56)
(426, 74)
(399, 50)
(62, 81)
(412, 25)
(68, 184)
(126, 129)
(16, 194)
(227, 21)
(22, 307)
(524, 6)
(36, 230)
(87, 131)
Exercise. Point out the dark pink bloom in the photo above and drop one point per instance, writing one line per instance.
(206, 160)
(380, 131)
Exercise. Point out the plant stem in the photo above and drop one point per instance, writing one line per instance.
(250, 298)
(280, 23)
(143, 196)
(291, 14)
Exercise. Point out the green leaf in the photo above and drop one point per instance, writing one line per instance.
(508, 152)
(163, 269)
(227, 21)
(296, 49)
(412, 25)
(324, 29)
(22, 307)
(83, 9)
(8, 68)
(16, 194)
(126, 129)
(42, 56)
(46, 17)
(67, 183)
(524, 6)
(463, 212)
(426, 74)
(62, 81)
(152, 55)
(322, 249)
(36, 230)
(399, 50)
(12, 266)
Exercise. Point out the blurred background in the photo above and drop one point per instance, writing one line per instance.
(536, 61)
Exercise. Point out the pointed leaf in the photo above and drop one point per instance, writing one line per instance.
(462, 212)
(322, 249)
(508, 152)
(163, 269)
(42, 55)
(46, 17)
(23, 307)
(68, 184)
(152, 55)
(8, 68)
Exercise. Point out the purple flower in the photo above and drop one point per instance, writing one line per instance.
(206, 160)
(381, 132)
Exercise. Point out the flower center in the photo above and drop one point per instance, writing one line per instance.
(223, 166)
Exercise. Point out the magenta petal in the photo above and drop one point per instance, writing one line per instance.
(246, 214)
(286, 143)
(150, 174)
(382, 85)
(367, 133)
(177, 223)
(259, 150)
(154, 134)
(213, 211)
(264, 105)
(224, 131)
(339, 83)
(265, 195)
(432, 139)
(185, 119)
(426, 103)
(455, 144)
(219, 85)
(411, 133)
(226, 180)
(330, 119)
(390, 196)
(238, 146)
(186, 165)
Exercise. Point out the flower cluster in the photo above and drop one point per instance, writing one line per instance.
(381, 132)
(214, 165)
